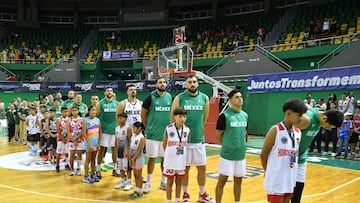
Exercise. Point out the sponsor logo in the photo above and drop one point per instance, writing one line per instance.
(138, 85)
(238, 124)
(193, 107)
(109, 109)
(162, 108)
(84, 87)
(32, 87)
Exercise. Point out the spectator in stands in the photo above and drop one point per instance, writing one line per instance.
(11, 78)
(27, 77)
(260, 36)
(4, 52)
(333, 22)
(331, 135)
(318, 29)
(18, 77)
(326, 27)
(41, 77)
(332, 99)
(309, 101)
(351, 100)
(311, 28)
(321, 104)
(343, 103)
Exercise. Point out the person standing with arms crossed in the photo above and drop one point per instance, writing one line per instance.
(132, 107)
(310, 125)
(155, 114)
(231, 133)
(106, 112)
(196, 105)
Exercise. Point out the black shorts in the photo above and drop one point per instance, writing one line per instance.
(354, 138)
(33, 137)
(53, 142)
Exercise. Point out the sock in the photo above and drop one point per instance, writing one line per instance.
(97, 167)
(163, 179)
(78, 164)
(202, 189)
(115, 166)
(137, 190)
(237, 201)
(168, 201)
(185, 188)
(148, 179)
(177, 200)
(129, 181)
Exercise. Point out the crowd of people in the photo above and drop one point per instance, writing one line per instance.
(344, 137)
(173, 129)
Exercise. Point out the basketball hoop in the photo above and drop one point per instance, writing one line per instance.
(166, 73)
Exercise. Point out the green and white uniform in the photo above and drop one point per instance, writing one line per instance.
(108, 122)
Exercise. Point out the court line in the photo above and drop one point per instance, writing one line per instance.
(333, 189)
(110, 201)
(58, 196)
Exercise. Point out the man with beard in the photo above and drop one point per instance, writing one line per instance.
(70, 99)
(155, 114)
(196, 105)
(106, 112)
(132, 107)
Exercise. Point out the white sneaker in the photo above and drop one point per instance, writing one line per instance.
(127, 187)
(120, 185)
(205, 198)
(146, 189)
(162, 186)
(333, 154)
(324, 153)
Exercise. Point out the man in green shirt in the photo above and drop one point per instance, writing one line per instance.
(106, 112)
(50, 103)
(155, 114)
(83, 109)
(231, 132)
(310, 125)
(70, 100)
(10, 117)
(196, 105)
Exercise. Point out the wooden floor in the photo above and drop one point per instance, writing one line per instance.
(323, 184)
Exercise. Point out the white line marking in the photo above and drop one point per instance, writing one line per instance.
(58, 196)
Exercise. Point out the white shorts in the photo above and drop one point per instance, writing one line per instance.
(123, 163)
(301, 173)
(108, 140)
(232, 168)
(195, 154)
(72, 146)
(60, 147)
(154, 148)
(173, 173)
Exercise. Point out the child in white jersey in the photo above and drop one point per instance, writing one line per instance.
(74, 131)
(136, 157)
(32, 125)
(175, 139)
(122, 133)
(280, 153)
(61, 140)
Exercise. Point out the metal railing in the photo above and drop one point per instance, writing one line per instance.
(7, 71)
(273, 58)
(52, 66)
(337, 50)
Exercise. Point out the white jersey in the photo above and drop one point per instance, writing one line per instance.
(121, 132)
(280, 174)
(133, 111)
(32, 127)
(172, 158)
(342, 105)
(134, 144)
(351, 101)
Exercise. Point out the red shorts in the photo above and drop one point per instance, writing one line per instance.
(278, 198)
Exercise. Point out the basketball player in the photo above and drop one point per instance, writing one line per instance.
(155, 114)
(70, 99)
(83, 108)
(231, 133)
(132, 107)
(196, 105)
(94, 100)
(310, 125)
(106, 112)
(280, 153)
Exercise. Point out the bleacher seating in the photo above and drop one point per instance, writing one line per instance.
(49, 42)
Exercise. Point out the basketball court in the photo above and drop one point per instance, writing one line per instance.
(328, 180)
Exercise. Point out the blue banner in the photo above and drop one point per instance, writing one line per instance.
(324, 79)
(120, 55)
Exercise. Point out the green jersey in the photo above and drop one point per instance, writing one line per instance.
(308, 134)
(49, 106)
(82, 108)
(195, 107)
(107, 116)
(158, 116)
(68, 102)
(58, 111)
(233, 139)
(24, 112)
